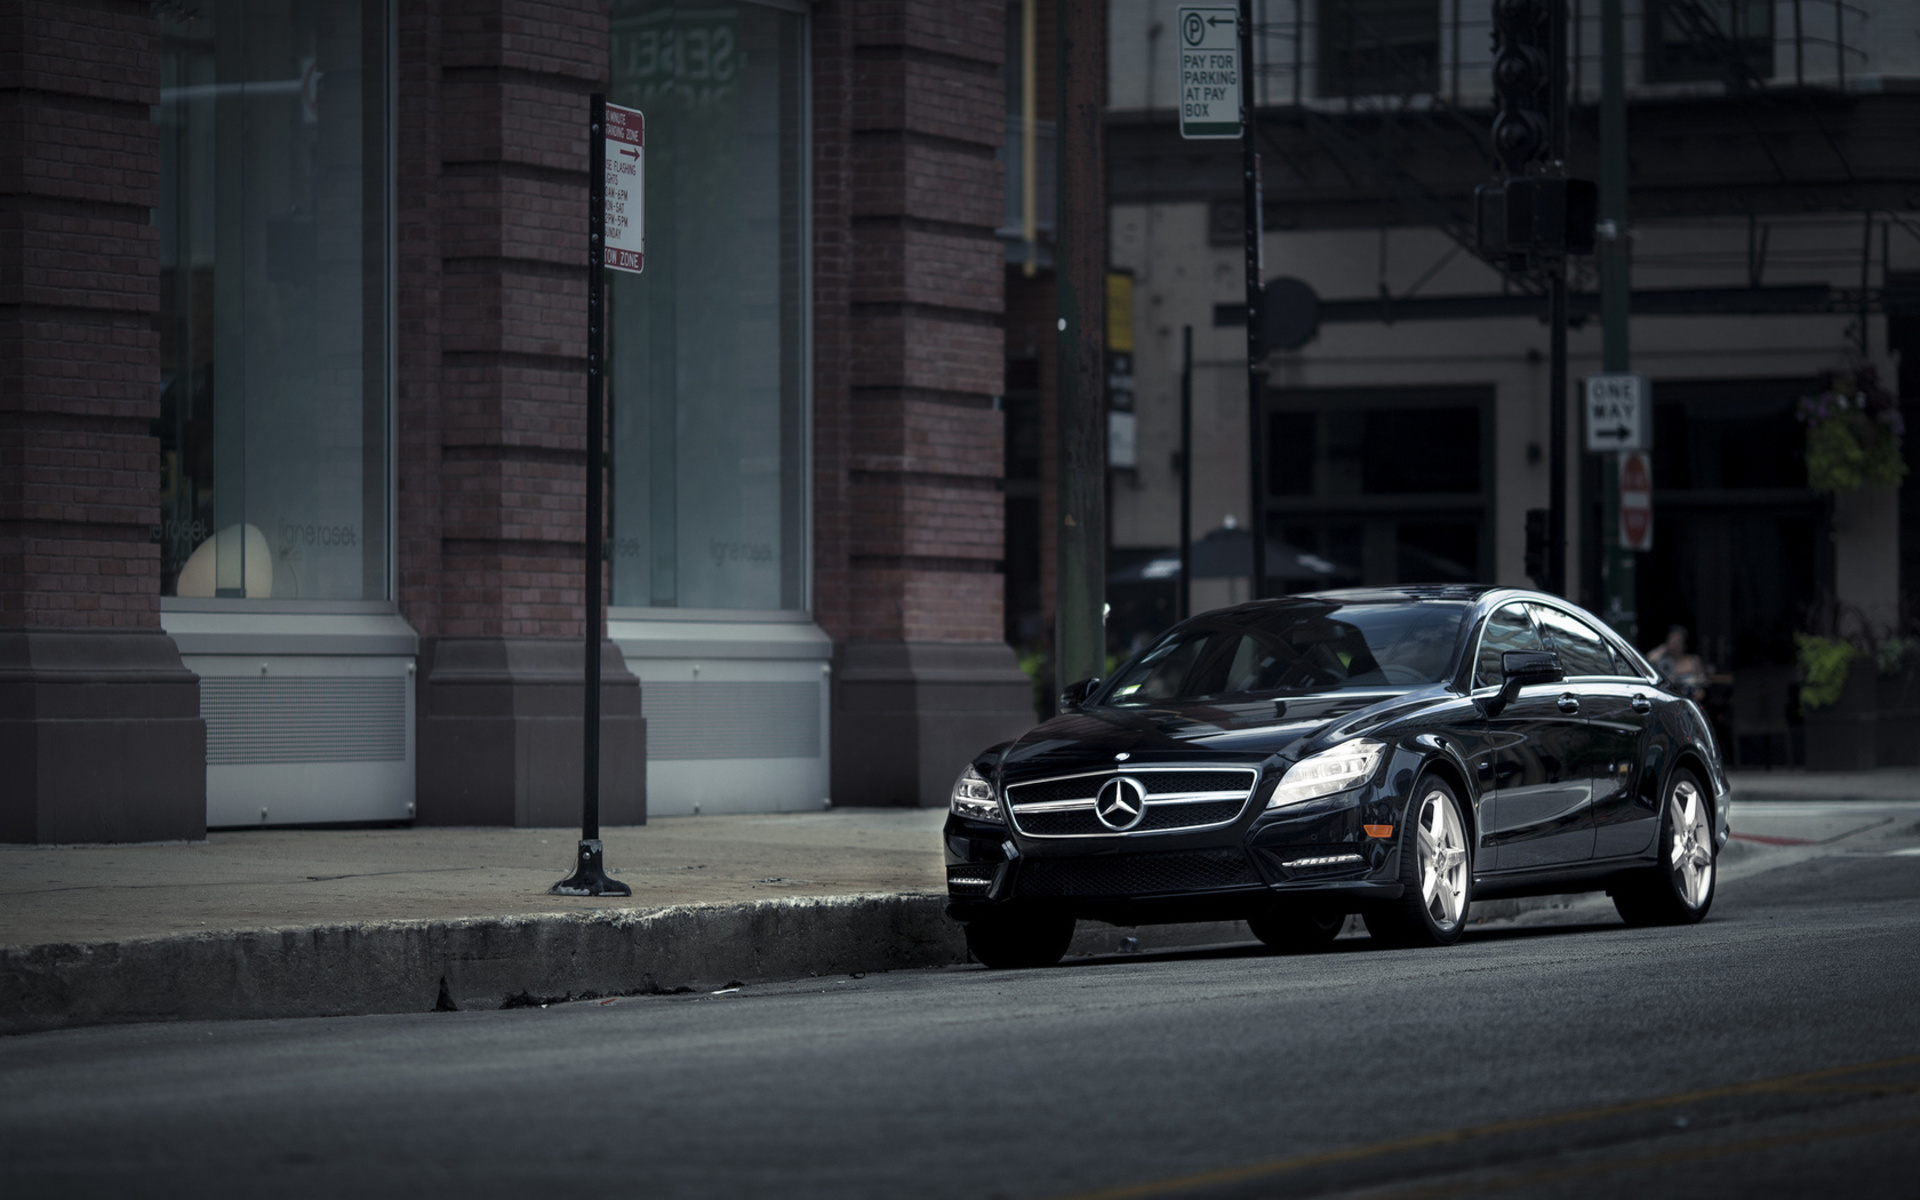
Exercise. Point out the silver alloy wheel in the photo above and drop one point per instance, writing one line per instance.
(1443, 859)
(1690, 858)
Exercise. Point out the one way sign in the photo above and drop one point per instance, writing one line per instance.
(1617, 413)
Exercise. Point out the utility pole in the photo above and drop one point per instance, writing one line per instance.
(1617, 562)
(1185, 608)
(1253, 221)
(1080, 290)
(1557, 311)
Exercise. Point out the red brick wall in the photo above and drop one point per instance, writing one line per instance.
(832, 38)
(908, 300)
(492, 310)
(79, 283)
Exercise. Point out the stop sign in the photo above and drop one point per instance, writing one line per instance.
(1636, 501)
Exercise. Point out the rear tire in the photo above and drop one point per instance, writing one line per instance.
(1020, 939)
(1436, 874)
(1299, 928)
(1678, 889)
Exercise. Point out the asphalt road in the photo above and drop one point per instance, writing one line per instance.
(1773, 1050)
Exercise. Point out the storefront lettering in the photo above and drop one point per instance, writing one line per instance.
(317, 535)
(697, 63)
(747, 552)
(180, 537)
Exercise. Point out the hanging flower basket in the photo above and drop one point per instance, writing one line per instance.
(1854, 433)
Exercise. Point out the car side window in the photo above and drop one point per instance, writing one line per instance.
(1509, 628)
(1582, 651)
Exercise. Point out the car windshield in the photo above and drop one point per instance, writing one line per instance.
(1291, 650)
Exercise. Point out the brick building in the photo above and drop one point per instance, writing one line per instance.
(292, 363)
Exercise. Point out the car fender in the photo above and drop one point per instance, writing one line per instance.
(1407, 760)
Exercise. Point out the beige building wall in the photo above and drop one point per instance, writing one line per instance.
(1180, 277)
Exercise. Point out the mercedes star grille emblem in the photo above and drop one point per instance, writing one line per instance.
(1121, 803)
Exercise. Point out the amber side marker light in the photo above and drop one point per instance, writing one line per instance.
(1378, 831)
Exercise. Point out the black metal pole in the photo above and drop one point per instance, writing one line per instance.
(589, 876)
(1250, 169)
(1185, 609)
(1557, 314)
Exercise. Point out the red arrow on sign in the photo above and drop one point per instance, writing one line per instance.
(631, 153)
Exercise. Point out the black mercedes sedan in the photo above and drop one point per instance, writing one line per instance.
(1396, 752)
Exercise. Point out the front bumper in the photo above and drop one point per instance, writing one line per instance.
(1320, 847)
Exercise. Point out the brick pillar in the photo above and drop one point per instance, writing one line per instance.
(910, 437)
(492, 350)
(100, 731)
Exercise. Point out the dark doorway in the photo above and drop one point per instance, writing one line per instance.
(1740, 545)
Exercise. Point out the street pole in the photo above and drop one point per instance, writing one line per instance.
(1620, 601)
(1253, 222)
(589, 876)
(1185, 608)
(1080, 289)
(1557, 313)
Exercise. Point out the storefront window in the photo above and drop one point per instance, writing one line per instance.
(707, 350)
(273, 299)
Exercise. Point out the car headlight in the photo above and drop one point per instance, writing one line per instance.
(973, 798)
(1347, 765)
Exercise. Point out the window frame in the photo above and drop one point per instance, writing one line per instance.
(805, 611)
(389, 160)
(1479, 642)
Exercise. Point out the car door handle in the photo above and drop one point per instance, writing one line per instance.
(1569, 703)
(1641, 704)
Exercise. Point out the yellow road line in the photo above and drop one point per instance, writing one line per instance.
(1665, 1158)
(1447, 1137)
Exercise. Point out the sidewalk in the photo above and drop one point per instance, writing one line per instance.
(312, 922)
(272, 879)
(1887, 783)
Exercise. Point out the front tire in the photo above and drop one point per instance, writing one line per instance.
(1020, 939)
(1436, 874)
(1299, 928)
(1678, 890)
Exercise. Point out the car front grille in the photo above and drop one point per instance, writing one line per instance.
(1174, 800)
(1158, 819)
(1135, 874)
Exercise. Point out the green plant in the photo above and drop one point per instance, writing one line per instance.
(1854, 431)
(1893, 654)
(1034, 663)
(1824, 662)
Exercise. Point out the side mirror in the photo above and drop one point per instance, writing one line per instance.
(1524, 668)
(1074, 695)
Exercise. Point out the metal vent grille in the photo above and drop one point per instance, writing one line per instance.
(731, 720)
(331, 719)
(1136, 874)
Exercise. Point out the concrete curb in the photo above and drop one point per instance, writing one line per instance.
(483, 963)
(417, 966)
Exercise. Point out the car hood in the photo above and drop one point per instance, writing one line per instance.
(1244, 731)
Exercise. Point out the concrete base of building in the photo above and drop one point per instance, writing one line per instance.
(100, 738)
(907, 716)
(500, 734)
(738, 709)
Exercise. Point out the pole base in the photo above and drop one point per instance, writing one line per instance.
(589, 876)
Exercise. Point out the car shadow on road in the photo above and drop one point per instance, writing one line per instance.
(1349, 944)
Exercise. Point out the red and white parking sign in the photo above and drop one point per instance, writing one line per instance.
(625, 246)
(1636, 500)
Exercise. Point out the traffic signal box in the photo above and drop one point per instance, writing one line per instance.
(1535, 213)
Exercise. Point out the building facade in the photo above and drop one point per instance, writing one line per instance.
(1774, 235)
(292, 305)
